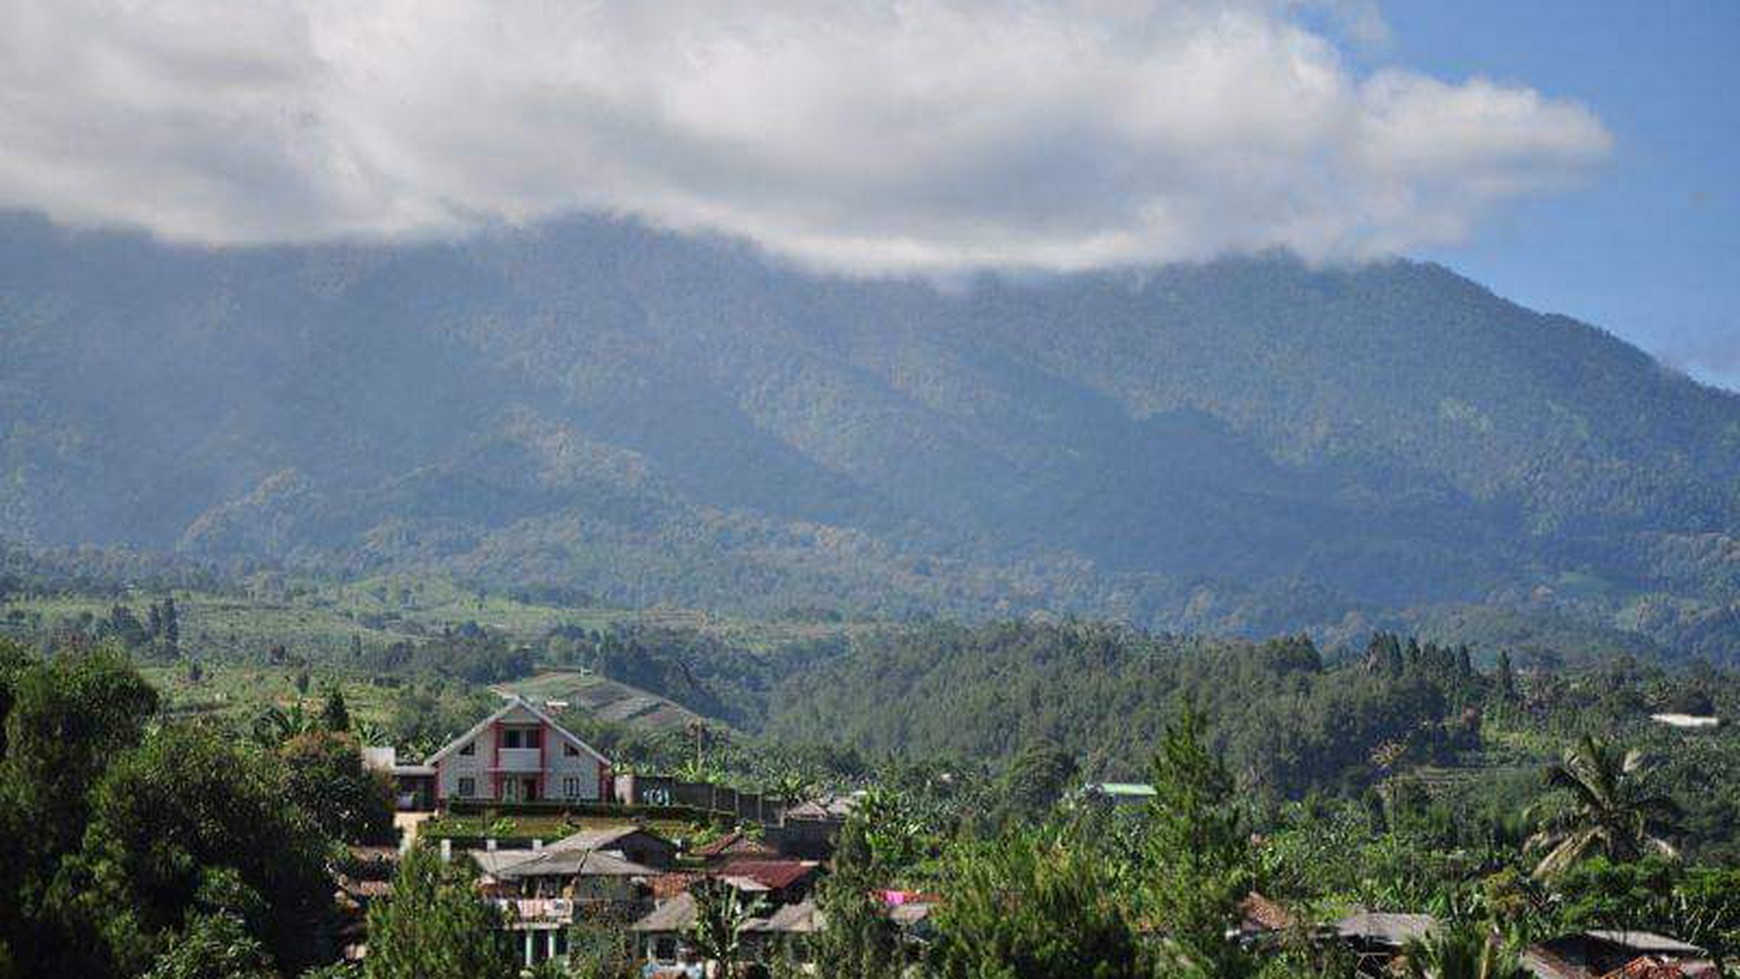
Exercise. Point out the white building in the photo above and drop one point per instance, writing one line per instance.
(518, 755)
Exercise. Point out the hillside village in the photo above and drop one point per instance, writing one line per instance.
(743, 896)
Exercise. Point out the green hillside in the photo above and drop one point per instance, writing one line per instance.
(1248, 446)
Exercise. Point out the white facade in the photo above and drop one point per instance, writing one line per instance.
(519, 755)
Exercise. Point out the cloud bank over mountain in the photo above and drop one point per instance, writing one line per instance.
(857, 135)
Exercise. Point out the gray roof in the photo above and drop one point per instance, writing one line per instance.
(1646, 941)
(601, 839)
(792, 919)
(1391, 929)
(675, 915)
(515, 864)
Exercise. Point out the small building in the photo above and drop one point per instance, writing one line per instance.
(634, 843)
(543, 892)
(1688, 722)
(1119, 794)
(1601, 953)
(735, 845)
(1377, 939)
(786, 881)
(517, 755)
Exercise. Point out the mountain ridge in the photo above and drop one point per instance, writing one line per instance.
(1245, 445)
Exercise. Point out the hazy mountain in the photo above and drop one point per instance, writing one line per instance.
(1249, 445)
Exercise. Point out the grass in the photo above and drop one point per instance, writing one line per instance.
(317, 619)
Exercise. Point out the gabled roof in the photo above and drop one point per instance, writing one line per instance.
(792, 919)
(605, 838)
(736, 843)
(1645, 941)
(677, 914)
(1388, 929)
(559, 863)
(514, 702)
(775, 874)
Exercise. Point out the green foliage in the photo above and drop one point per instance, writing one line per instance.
(334, 715)
(1611, 809)
(435, 926)
(186, 823)
(325, 776)
(64, 720)
(1462, 950)
(1037, 777)
(1198, 863)
(1031, 905)
(720, 914)
(213, 946)
(859, 940)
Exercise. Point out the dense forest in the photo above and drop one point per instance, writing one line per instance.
(1411, 777)
(1243, 447)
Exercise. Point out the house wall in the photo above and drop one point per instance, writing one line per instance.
(558, 765)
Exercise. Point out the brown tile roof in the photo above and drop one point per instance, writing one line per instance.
(1262, 914)
(1656, 967)
(736, 843)
(776, 874)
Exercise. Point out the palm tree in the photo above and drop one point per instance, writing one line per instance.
(1607, 808)
(275, 725)
(1462, 951)
(720, 916)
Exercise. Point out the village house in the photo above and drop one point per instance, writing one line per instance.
(1627, 954)
(591, 875)
(515, 756)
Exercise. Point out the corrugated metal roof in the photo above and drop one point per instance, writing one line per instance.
(1391, 929)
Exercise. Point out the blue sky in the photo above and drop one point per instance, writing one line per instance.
(1573, 155)
(1648, 247)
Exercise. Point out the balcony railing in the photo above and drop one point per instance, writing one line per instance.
(520, 760)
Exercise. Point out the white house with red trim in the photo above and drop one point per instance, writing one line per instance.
(515, 755)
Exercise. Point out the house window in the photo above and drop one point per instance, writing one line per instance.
(665, 948)
(569, 751)
(469, 748)
(467, 787)
(515, 737)
(571, 787)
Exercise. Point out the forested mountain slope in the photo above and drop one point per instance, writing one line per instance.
(1248, 446)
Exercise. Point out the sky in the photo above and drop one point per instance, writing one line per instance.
(1649, 249)
(1569, 155)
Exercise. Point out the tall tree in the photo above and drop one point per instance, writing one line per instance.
(334, 714)
(187, 824)
(325, 776)
(1198, 853)
(436, 926)
(720, 915)
(1606, 805)
(1034, 905)
(859, 940)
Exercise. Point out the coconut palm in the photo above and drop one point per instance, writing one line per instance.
(1462, 951)
(720, 916)
(1607, 807)
(275, 725)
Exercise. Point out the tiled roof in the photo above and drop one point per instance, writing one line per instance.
(735, 843)
(777, 874)
(792, 919)
(675, 915)
(1262, 914)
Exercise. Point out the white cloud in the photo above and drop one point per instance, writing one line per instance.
(865, 135)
